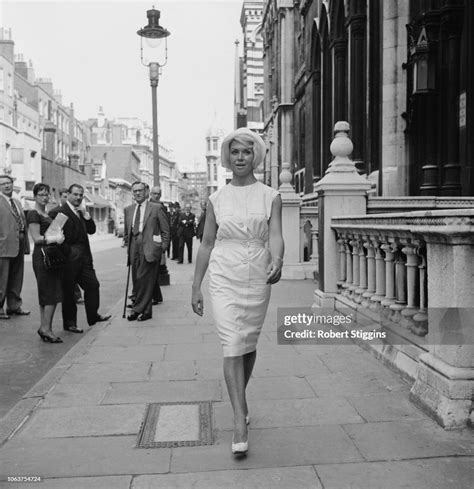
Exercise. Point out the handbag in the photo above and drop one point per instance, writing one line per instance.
(53, 257)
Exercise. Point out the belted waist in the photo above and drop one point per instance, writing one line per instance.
(255, 243)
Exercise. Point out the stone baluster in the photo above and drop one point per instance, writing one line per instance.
(379, 276)
(369, 246)
(412, 286)
(346, 285)
(420, 319)
(342, 263)
(390, 250)
(355, 267)
(400, 281)
(314, 247)
(359, 293)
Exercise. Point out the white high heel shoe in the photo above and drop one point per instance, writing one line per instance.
(240, 448)
(247, 419)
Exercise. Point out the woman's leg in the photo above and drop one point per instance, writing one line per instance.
(43, 323)
(48, 317)
(249, 362)
(235, 381)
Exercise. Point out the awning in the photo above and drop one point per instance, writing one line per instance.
(96, 201)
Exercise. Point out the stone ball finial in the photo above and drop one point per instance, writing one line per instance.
(285, 175)
(341, 144)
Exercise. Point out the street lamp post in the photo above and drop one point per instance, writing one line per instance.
(152, 55)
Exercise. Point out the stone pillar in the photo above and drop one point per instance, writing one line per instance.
(290, 220)
(445, 376)
(342, 191)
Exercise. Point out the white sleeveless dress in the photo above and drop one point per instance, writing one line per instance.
(238, 265)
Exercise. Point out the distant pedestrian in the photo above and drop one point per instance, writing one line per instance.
(186, 233)
(243, 217)
(174, 219)
(201, 221)
(146, 237)
(79, 267)
(14, 245)
(49, 281)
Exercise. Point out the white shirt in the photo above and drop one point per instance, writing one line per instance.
(142, 214)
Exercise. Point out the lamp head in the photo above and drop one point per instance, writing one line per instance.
(153, 32)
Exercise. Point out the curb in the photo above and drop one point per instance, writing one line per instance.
(23, 409)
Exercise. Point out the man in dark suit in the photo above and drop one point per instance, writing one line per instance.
(63, 193)
(14, 245)
(146, 237)
(186, 233)
(155, 197)
(79, 267)
(201, 221)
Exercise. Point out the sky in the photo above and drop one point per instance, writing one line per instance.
(91, 52)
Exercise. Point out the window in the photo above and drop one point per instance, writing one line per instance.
(214, 144)
(2, 80)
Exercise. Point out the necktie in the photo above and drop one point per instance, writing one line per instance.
(17, 216)
(136, 222)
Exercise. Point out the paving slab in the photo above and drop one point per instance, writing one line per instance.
(86, 456)
(84, 373)
(280, 447)
(114, 354)
(169, 335)
(65, 395)
(350, 384)
(277, 388)
(175, 370)
(290, 412)
(274, 367)
(447, 473)
(390, 406)
(84, 421)
(398, 440)
(209, 368)
(175, 391)
(275, 478)
(192, 350)
(112, 482)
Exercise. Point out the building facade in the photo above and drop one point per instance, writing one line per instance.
(249, 69)
(20, 130)
(217, 175)
(398, 72)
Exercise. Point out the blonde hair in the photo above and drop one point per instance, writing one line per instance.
(248, 138)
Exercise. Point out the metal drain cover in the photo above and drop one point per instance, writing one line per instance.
(176, 424)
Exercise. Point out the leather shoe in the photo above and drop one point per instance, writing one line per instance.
(4, 315)
(74, 329)
(179, 262)
(100, 319)
(133, 316)
(19, 312)
(143, 317)
(154, 303)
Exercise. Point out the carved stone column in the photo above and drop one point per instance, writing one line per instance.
(451, 28)
(357, 97)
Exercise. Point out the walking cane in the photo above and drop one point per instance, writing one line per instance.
(126, 293)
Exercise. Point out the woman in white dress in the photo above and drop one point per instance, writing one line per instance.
(243, 247)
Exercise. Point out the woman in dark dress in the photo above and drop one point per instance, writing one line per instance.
(49, 281)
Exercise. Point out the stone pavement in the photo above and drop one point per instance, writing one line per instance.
(328, 417)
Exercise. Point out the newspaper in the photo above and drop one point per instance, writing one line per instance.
(55, 228)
